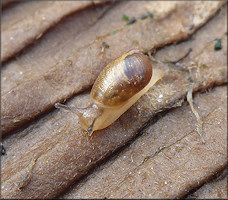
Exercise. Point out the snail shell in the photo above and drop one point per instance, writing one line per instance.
(121, 83)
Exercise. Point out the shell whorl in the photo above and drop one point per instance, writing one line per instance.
(122, 79)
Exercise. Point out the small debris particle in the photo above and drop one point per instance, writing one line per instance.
(218, 44)
(146, 158)
(11, 38)
(150, 15)
(166, 60)
(69, 62)
(160, 149)
(203, 65)
(16, 120)
(143, 16)
(222, 71)
(135, 41)
(28, 175)
(190, 80)
(178, 64)
(3, 150)
(131, 21)
(104, 44)
(125, 17)
(25, 180)
(20, 73)
(39, 36)
(191, 27)
(114, 32)
(200, 123)
(160, 98)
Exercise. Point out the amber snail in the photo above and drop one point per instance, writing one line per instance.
(119, 85)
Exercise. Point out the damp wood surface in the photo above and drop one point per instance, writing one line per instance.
(214, 189)
(168, 160)
(53, 152)
(25, 22)
(49, 81)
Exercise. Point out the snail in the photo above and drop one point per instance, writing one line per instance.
(119, 85)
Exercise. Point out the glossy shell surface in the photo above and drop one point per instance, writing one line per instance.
(121, 79)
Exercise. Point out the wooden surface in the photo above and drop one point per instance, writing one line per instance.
(144, 154)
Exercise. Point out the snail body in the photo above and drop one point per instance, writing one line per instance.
(119, 85)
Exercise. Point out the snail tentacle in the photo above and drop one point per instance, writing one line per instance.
(77, 111)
